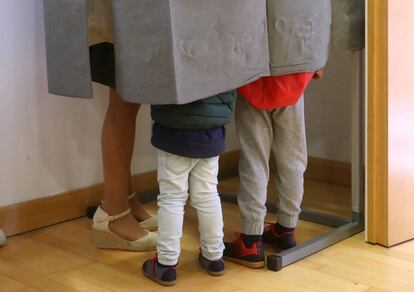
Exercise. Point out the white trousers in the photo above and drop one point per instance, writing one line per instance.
(178, 178)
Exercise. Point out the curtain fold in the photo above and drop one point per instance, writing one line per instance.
(179, 51)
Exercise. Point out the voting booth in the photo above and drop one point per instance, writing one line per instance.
(179, 51)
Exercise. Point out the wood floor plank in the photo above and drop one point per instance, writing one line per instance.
(30, 289)
(114, 279)
(252, 283)
(357, 273)
(10, 284)
(369, 260)
(77, 283)
(315, 193)
(31, 279)
(307, 278)
(39, 257)
(373, 289)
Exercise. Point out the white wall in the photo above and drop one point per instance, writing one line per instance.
(50, 144)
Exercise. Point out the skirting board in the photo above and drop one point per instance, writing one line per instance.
(34, 214)
(325, 171)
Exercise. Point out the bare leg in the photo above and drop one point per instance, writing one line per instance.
(137, 210)
(117, 145)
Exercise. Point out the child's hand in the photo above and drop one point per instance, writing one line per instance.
(318, 75)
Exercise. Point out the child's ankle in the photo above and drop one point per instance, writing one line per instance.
(280, 229)
(165, 266)
(249, 240)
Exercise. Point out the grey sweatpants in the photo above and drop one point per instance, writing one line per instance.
(261, 131)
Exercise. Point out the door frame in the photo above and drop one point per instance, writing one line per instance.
(376, 171)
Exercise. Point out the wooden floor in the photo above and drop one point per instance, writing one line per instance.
(63, 258)
(325, 198)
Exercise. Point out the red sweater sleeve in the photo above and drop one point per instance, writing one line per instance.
(276, 91)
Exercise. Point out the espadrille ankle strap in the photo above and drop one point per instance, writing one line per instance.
(118, 216)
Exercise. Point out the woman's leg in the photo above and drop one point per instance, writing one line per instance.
(137, 210)
(117, 146)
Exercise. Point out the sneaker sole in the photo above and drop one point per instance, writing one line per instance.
(163, 283)
(252, 265)
(216, 274)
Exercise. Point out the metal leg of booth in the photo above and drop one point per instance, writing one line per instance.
(280, 260)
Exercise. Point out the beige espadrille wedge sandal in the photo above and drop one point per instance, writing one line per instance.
(106, 239)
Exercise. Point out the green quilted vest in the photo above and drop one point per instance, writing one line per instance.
(203, 114)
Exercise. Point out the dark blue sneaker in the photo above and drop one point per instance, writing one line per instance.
(213, 268)
(163, 275)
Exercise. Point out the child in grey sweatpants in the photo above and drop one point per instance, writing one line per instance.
(270, 119)
(260, 132)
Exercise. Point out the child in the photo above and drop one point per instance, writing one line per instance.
(189, 139)
(270, 117)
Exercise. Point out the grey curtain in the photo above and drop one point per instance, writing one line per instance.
(299, 34)
(348, 26)
(179, 51)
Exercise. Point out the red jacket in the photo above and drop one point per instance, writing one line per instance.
(276, 92)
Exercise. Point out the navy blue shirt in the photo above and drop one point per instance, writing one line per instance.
(204, 143)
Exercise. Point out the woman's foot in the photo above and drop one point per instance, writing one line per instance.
(137, 210)
(146, 220)
(127, 228)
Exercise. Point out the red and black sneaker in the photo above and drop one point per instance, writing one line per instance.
(253, 257)
(282, 240)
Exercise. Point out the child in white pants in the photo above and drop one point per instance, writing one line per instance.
(189, 139)
(181, 177)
